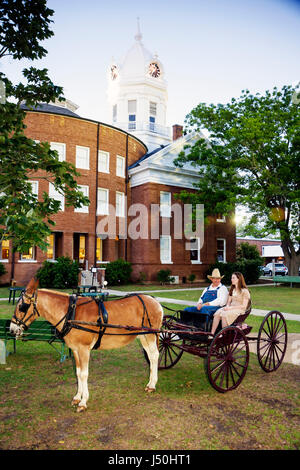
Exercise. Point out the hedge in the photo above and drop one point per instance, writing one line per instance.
(249, 268)
(118, 272)
(62, 274)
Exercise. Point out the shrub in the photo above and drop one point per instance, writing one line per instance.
(192, 277)
(246, 251)
(163, 276)
(118, 272)
(2, 269)
(59, 275)
(249, 269)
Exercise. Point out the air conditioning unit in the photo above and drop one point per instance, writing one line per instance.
(176, 279)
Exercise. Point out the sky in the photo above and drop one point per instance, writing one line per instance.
(211, 50)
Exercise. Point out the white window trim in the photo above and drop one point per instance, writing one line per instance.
(87, 167)
(198, 261)
(224, 240)
(165, 206)
(33, 260)
(98, 208)
(83, 209)
(123, 159)
(34, 182)
(59, 197)
(108, 158)
(170, 250)
(223, 219)
(62, 157)
(119, 193)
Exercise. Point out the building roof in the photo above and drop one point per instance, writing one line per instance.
(50, 108)
(147, 155)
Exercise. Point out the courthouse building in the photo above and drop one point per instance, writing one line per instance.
(125, 162)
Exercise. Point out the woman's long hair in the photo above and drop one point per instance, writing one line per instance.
(241, 284)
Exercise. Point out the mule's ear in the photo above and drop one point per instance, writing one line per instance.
(32, 285)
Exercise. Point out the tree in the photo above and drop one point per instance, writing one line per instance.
(246, 251)
(23, 218)
(251, 158)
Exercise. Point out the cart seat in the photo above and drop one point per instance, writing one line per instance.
(199, 320)
(242, 318)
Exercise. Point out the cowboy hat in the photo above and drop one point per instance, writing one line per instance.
(215, 274)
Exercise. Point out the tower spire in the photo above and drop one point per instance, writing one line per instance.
(138, 36)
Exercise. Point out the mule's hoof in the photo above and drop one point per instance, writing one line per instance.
(149, 390)
(81, 409)
(75, 402)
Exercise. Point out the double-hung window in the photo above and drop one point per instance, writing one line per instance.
(4, 250)
(34, 188)
(28, 255)
(53, 193)
(132, 114)
(60, 149)
(165, 204)
(221, 250)
(120, 171)
(103, 201)
(82, 157)
(103, 161)
(85, 190)
(195, 250)
(120, 204)
(165, 249)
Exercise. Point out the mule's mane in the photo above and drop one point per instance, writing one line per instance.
(54, 292)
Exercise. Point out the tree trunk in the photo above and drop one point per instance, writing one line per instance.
(292, 258)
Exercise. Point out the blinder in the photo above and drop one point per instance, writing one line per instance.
(24, 307)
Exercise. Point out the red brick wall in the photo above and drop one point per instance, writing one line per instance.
(47, 127)
(146, 253)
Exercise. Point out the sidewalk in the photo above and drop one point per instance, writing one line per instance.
(188, 303)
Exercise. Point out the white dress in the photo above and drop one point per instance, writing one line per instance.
(239, 299)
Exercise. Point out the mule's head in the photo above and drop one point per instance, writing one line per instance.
(25, 312)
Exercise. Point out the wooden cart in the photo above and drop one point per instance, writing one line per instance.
(226, 355)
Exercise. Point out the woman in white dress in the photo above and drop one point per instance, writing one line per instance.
(237, 303)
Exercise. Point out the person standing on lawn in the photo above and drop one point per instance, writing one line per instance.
(237, 303)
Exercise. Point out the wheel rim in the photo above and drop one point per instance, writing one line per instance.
(168, 346)
(169, 352)
(272, 341)
(227, 359)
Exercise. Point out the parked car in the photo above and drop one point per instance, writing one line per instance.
(279, 269)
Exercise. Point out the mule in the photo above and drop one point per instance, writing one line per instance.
(53, 305)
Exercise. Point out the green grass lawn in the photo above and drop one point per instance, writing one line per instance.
(185, 412)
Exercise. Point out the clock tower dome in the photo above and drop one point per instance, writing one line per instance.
(137, 95)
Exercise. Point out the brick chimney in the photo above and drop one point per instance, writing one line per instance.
(177, 131)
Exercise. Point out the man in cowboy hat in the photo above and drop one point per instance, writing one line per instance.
(213, 297)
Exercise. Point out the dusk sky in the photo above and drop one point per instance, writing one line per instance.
(211, 50)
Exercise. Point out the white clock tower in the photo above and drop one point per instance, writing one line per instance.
(137, 95)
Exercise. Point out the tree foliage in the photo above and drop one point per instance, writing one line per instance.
(252, 159)
(23, 217)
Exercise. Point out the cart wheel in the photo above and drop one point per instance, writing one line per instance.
(227, 359)
(168, 346)
(272, 341)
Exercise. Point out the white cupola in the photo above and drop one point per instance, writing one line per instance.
(137, 95)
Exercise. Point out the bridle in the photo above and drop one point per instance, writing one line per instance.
(24, 307)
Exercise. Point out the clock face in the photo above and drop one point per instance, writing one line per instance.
(154, 70)
(113, 72)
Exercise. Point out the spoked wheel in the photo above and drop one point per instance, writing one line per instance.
(272, 341)
(168, 346)
(227, 359)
